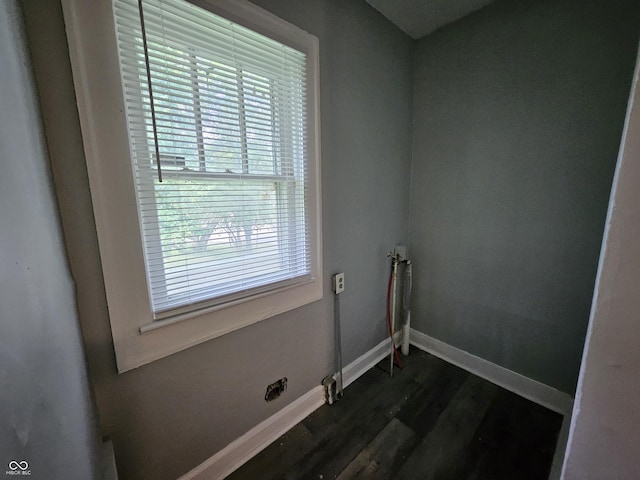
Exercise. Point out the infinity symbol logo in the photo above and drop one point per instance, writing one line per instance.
(23, 465)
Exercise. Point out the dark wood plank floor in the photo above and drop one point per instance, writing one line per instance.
(431, 421)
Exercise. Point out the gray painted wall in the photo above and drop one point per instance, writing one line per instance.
(518, 114)
(167, 417)
(605, 434)
(46, 414)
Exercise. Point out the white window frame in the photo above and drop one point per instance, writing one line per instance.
(138, 339)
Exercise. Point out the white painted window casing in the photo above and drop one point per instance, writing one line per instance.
(232, 234)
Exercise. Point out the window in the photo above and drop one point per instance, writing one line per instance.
(229, 217)
(204, 172)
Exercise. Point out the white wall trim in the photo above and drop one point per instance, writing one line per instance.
(366, 361)
(137, 339)
(244, 448)
(561, 448)
(528, 388)
(108, 469)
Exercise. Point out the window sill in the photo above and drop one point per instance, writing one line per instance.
(156, 340)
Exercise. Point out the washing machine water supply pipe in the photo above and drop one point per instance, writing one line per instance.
(391, 312)
(392, 294)
(406, 306)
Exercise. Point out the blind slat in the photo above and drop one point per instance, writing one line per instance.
(227, 101)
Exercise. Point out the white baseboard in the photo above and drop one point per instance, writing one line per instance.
(561, 448)
(366, 361)
(241, 450)
(528, 388)
(108, 461)
(244, 448)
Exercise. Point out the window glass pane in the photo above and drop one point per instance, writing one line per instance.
(207, 227)
(174, 107)
(220, 117)
(261, 134)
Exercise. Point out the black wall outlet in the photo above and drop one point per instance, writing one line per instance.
(275, 389)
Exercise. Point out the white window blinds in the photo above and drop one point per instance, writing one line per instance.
(229, 219)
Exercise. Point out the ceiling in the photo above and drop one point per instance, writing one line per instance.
(421, 17)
